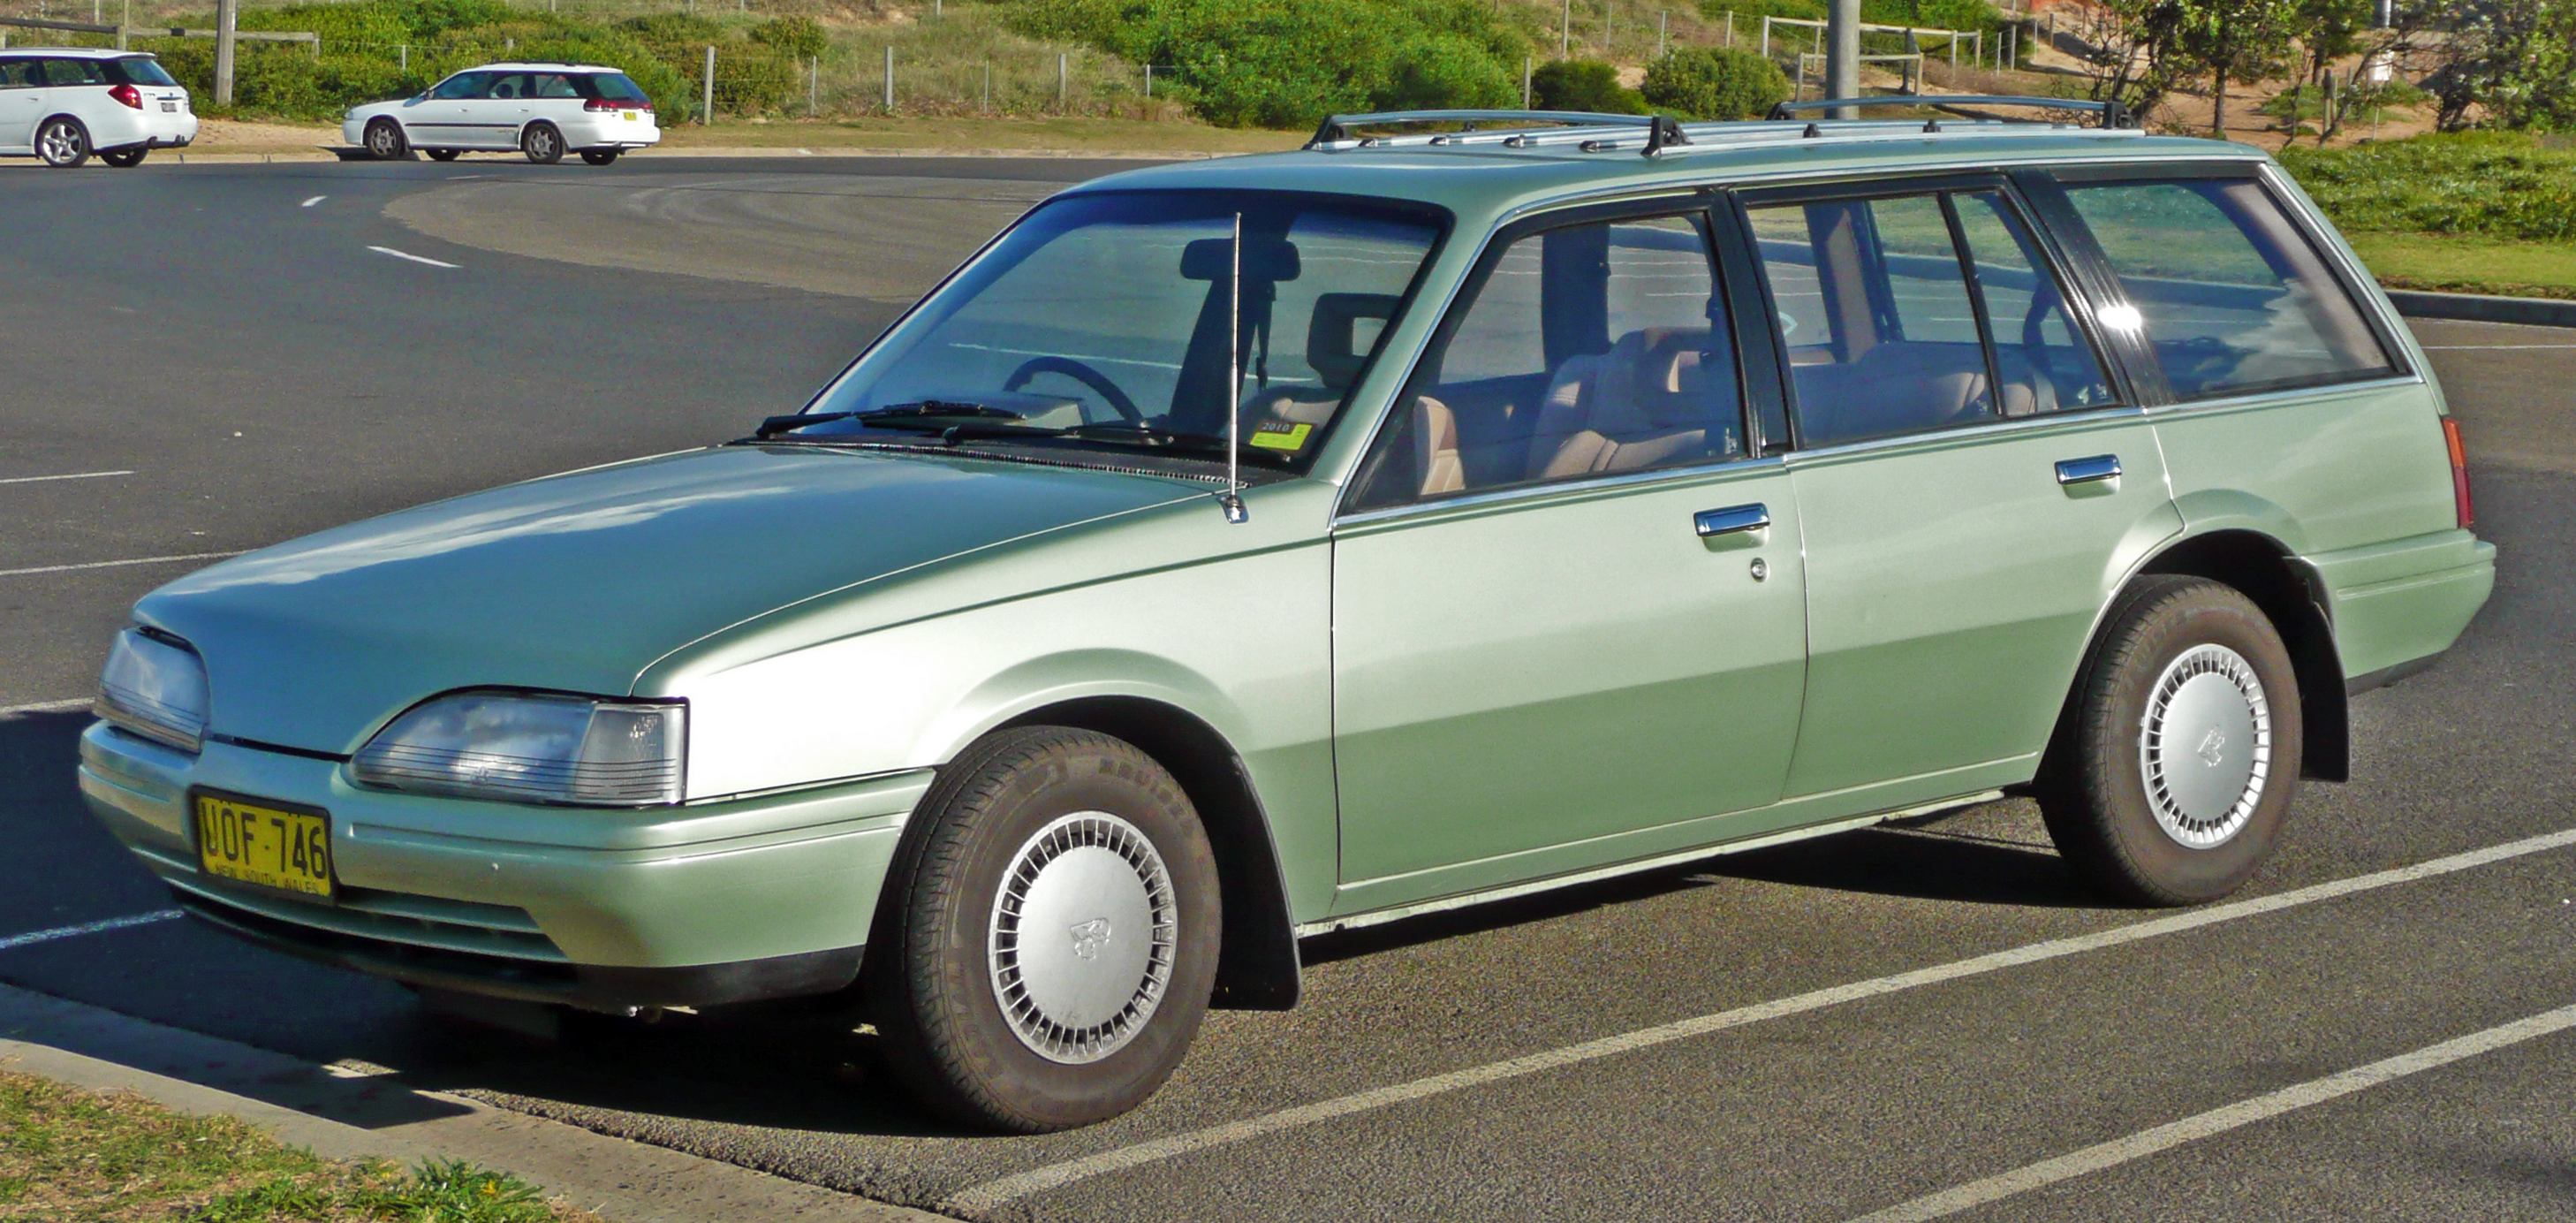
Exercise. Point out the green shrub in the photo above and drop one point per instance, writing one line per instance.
(1288, 63)
(800, 37)
(1583, 84)
(1715, 83)
(2491, 184)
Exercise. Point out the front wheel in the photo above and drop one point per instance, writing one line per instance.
(2174, 774)
(123, 159)
(599, 157)
(1049, 933)
(62, 142)
(542, 143)
(386, 142)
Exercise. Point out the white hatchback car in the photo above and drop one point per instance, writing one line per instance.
(64, 103)
(542, 110)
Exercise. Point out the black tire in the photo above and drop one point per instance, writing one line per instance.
(2146, 793)
(441, 154)
(123, 159)
(600, 157)
(1034, 797)
(62, 142)
(386, 142)
(542, 143)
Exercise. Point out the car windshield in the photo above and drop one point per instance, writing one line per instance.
(1110, 314)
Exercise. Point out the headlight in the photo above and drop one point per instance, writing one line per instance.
(155, 687)
(531, 748)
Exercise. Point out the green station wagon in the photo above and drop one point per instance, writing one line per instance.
(1467, 504)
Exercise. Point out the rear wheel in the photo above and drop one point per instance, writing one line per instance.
(441, 154)
(123, 159)
(542, 143)
(62, 142)
(1049, 935)
(599, 157)
(386, 142)
(2175, 771)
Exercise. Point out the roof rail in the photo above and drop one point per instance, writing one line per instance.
(1337, 128)
(2112, 112)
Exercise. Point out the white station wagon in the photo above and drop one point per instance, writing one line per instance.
(542, 110)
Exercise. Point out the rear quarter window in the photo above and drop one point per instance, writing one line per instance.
(138, 71)
(2235, 298)
(614, 86)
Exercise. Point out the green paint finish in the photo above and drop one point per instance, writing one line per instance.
(1952, 585)
(1538, 672)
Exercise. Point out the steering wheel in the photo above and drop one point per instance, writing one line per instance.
(1079, 372)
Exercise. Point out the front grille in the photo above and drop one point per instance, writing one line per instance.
(395, 918)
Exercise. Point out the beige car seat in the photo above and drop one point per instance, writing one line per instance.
(1644, 402)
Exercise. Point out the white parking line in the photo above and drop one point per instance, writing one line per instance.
(1052, 1176)
(140, 560)
(77, 475)
(387, 250)
(2219, 1120)
(96, 927)
(311, 202)
(80, 702)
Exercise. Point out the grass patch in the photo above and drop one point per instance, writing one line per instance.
(2451, 264)
(73, 1156)
(2489, 184)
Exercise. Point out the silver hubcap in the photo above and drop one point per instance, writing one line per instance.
(541, 142)
(2206, 745)
(61, 143)
(1082, 937)
(381, 141)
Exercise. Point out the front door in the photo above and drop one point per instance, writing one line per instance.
(1971, 487)
(442, 120)
(1569, 623)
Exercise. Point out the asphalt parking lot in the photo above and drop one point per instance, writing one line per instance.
(210, 359)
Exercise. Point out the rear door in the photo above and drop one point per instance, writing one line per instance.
(1971, 479)
(496, 115)
(22, 98)
(555, 98)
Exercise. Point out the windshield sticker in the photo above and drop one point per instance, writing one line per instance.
(1276, 435)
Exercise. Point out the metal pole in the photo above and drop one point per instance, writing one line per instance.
(2012, 46)
(1565, 31)
(1149, 82)
(1954, 55)
(1842, 69)
(1730, 27)
(1061, 80)
(404, 50)
(707, 107)
(889, 78)
(226, 13)
(987, 104)
(813, 85)
(1607, 11)
(1766, 34)
(124, 23)
(1664, 33)
(1525, 82)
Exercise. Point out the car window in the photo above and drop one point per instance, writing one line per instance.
(1584, 350)
(2234, 298)
(615, 86)
(508, 85)
(140, 70)
(18, 74)
(462, 86)
(59, 72)
(551, 85)
(2038, 351)
(1881, 333)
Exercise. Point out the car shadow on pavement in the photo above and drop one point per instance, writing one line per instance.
(1930, 863)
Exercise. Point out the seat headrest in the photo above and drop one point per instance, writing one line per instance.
(1333, 346)
(1264, 259)
(1651, 379)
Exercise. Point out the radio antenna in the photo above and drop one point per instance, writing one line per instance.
(1233, 501)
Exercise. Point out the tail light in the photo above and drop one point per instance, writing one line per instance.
(598, 104)
(2459, 473)
(127, 94)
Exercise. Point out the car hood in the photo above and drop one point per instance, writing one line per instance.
(579, 582)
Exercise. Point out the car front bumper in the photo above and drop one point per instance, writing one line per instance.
(694, 905)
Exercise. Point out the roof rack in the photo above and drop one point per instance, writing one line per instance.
(2112, 112)
(1663, 136)
(1336, 129)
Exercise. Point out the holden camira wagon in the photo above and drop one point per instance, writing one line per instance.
(1463, 505)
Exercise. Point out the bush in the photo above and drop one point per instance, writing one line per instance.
(799, 37)
(1288, 63)
(1715, 83)
(1583, 84)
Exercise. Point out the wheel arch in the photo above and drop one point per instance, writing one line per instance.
(1257, 964)
(2293, 597)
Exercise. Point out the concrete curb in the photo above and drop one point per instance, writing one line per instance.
(2471, 307)
(353, 1111)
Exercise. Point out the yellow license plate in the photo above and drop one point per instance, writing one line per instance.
(264, 846)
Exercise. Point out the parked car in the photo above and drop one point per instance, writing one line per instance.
(62, 104)
(542, 110)
(1239, 550)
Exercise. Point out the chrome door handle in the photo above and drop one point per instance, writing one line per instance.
(2088, 471)
(1732, 520)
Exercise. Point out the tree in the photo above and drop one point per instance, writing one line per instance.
(2242, 40)
(2513, 62)
(1714, 83)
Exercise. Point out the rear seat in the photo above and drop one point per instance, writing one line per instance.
(1644, 403)
(1910, 386)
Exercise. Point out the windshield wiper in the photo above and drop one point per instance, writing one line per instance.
(896, 416)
